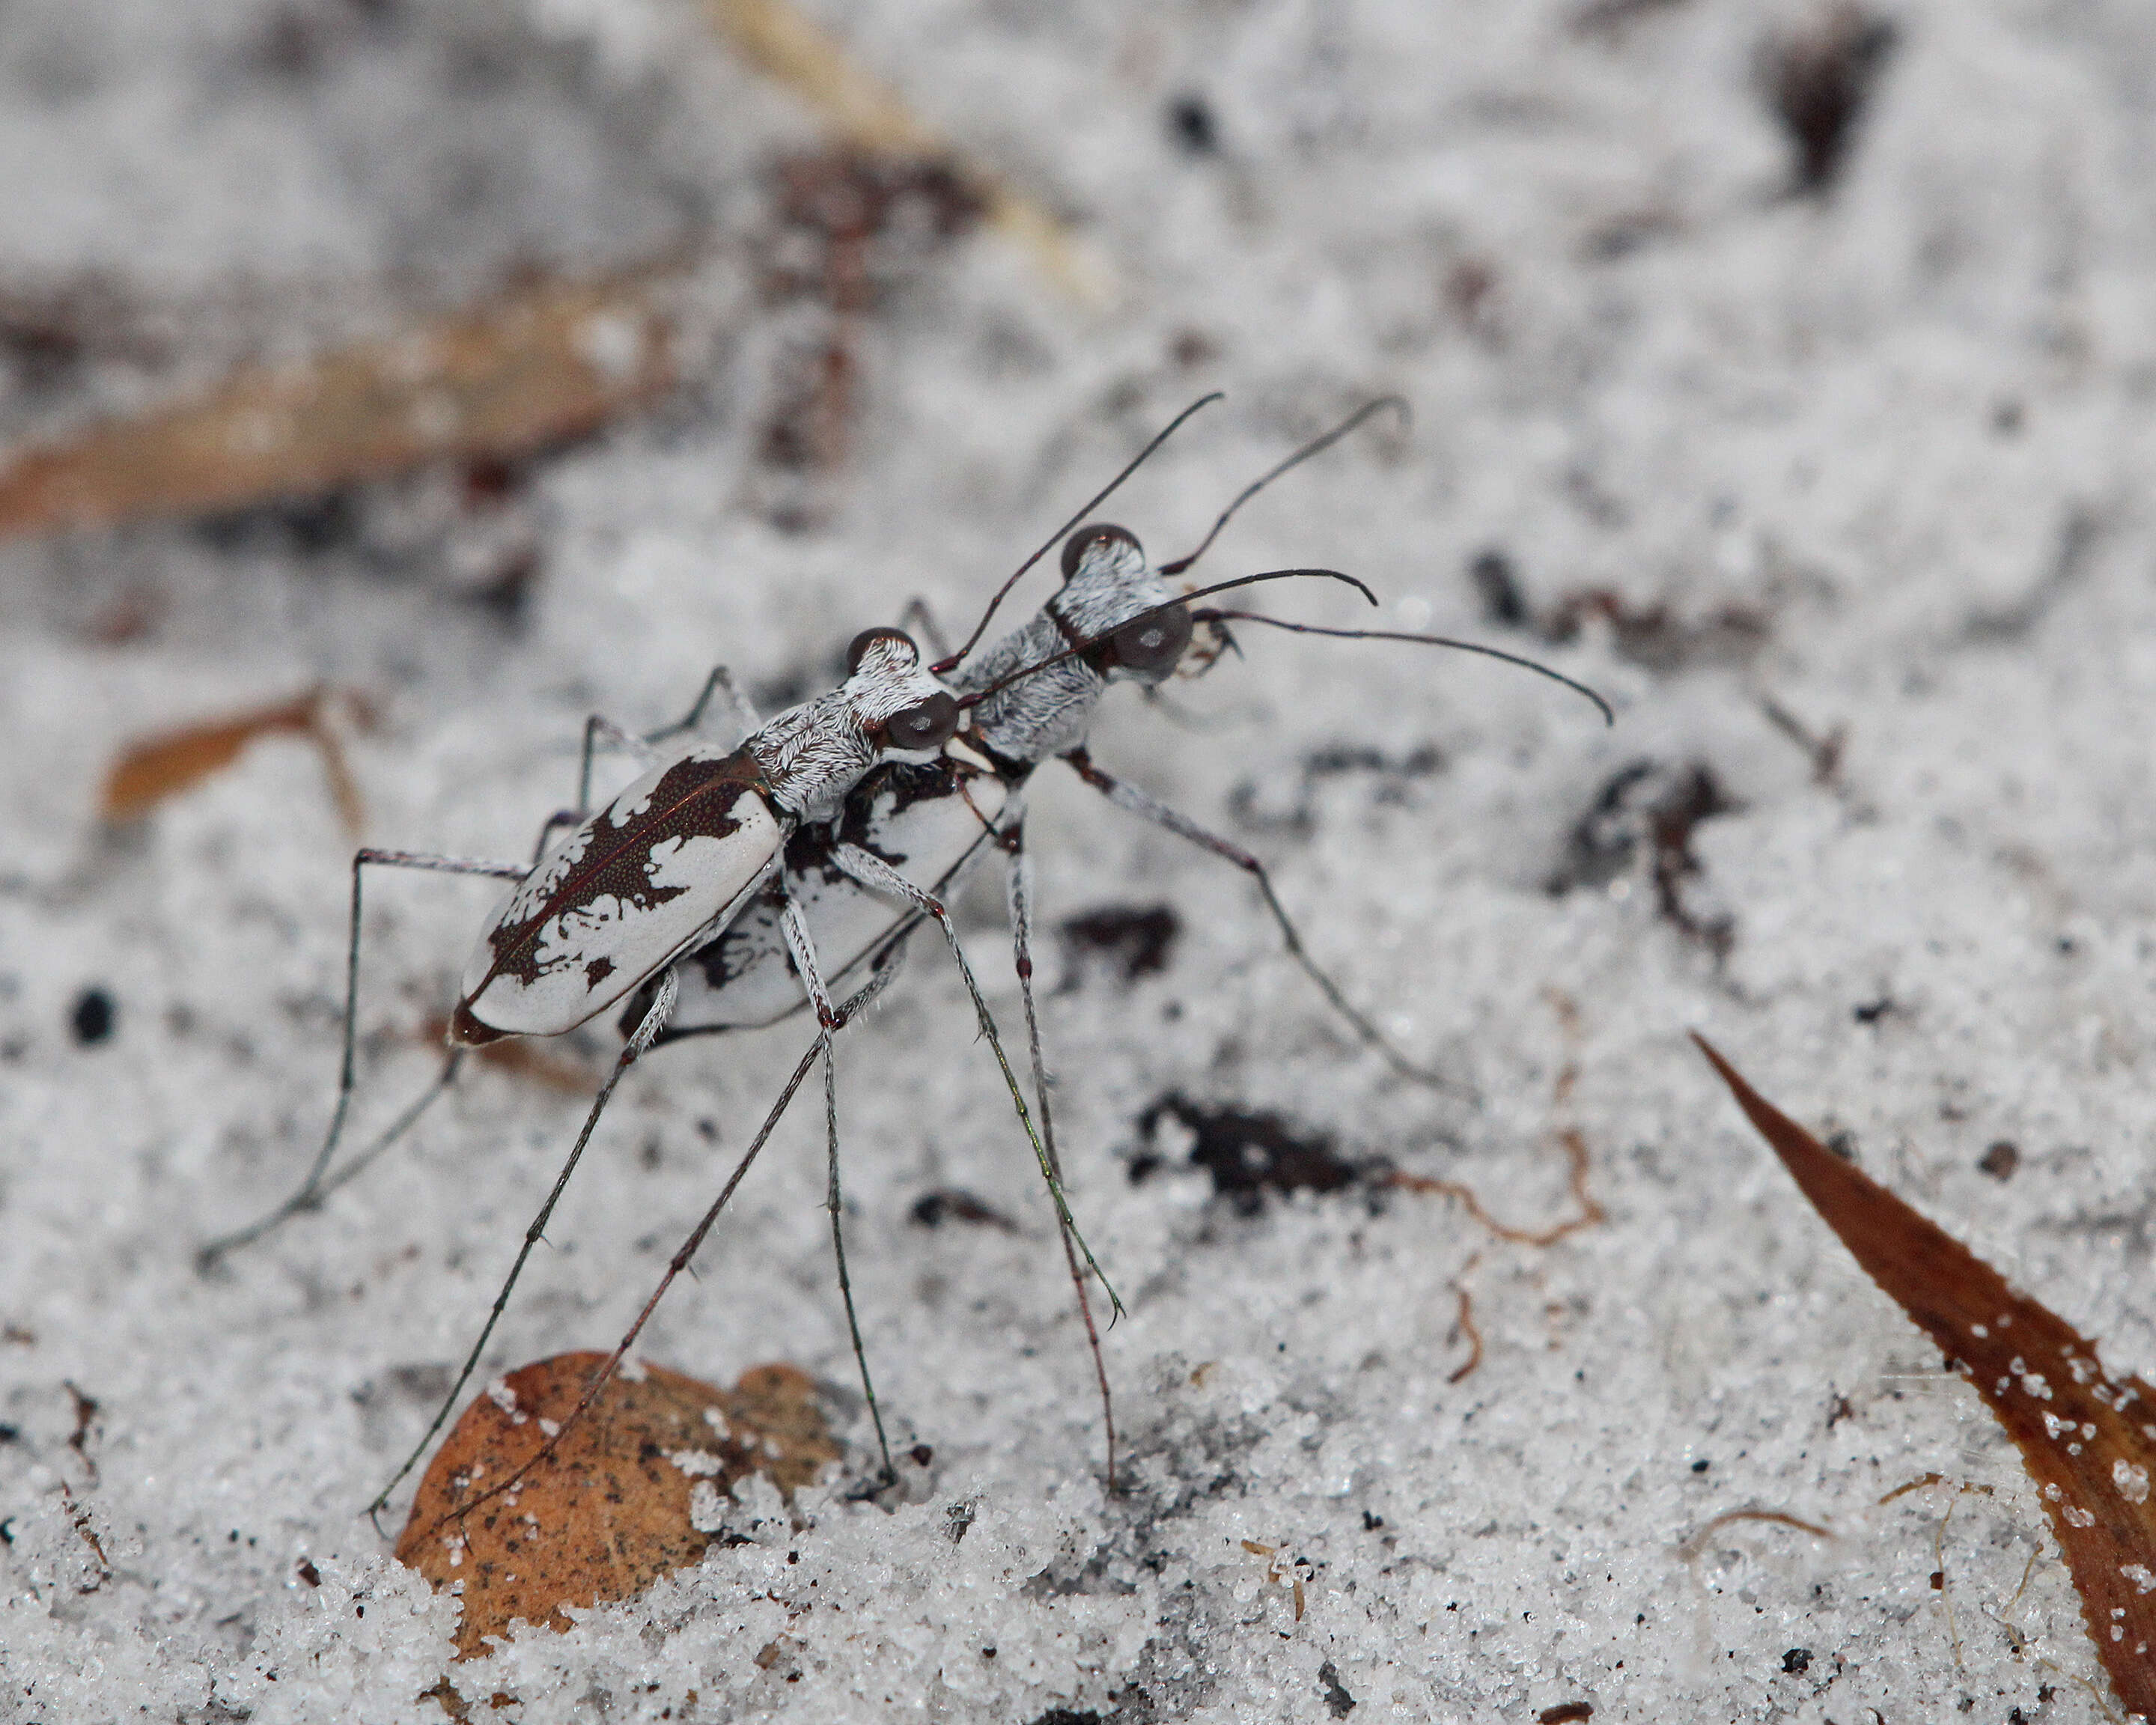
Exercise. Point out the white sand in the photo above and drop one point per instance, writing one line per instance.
(1871, 420)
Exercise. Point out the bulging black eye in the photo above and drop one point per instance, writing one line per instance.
(928, 725)
(1086, 537)
(868, 637)
(1153, 642)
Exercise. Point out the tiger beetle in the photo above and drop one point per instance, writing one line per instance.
(727, 891)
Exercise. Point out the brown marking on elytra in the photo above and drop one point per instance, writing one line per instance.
(2088, 1439)
(694, 798)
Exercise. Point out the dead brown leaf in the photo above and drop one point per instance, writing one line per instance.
(526, 370)
(608, 1513)
(171, 762)
(2088, 1439)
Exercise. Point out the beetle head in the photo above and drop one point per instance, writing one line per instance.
(904, 710)
(1112, 598)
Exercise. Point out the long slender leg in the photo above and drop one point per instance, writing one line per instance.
(804, 949)
(719, 682)
(654, 1020)
(872, 872)
(311, 1188)
(885, 967)
(597, 729)
(600, 729)
(1017, 881)
(1127, 796)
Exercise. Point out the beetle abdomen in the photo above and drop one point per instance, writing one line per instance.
(617, 899)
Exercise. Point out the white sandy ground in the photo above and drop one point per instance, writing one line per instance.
(1875, 420)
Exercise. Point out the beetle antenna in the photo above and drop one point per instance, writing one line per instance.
(1092, 641)
(1209, 614)
(1316, 447)
(951, 661)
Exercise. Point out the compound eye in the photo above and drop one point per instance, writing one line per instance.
(928, 725)
(1153, 643)
(1086, 537)
(868, 637)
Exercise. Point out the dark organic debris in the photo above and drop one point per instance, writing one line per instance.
(1647, 803)
(1338, 1702)
(1135, 940)
(852, 224)
(1191, 124)
(1655, 635)
(49, 330)
(1823, 751)
(1393, 777)
(1819, 80)
(1499, 589)
(2000, 1159)
(1250, 1153)
(1567, 1713)
(1796, 1661)
(953, 1204)
(93, 1016)
(2085, 1435)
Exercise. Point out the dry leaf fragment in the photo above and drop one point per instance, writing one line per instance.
(609, 1512)
(524, 371)
(165, 765)
(2088, 1439)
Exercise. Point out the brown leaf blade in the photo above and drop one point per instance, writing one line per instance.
(526, 370)
(153, 768)
(608, 1512)
(2089, 1440)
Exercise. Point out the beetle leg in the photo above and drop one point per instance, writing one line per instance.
(804, 949)
(719, 682)
(1018, 880)
(315, 1187)
(1127, 796)
(872, 872)
(655, 1021)
(883, 968)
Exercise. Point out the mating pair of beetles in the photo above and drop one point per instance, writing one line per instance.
(729, 888)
